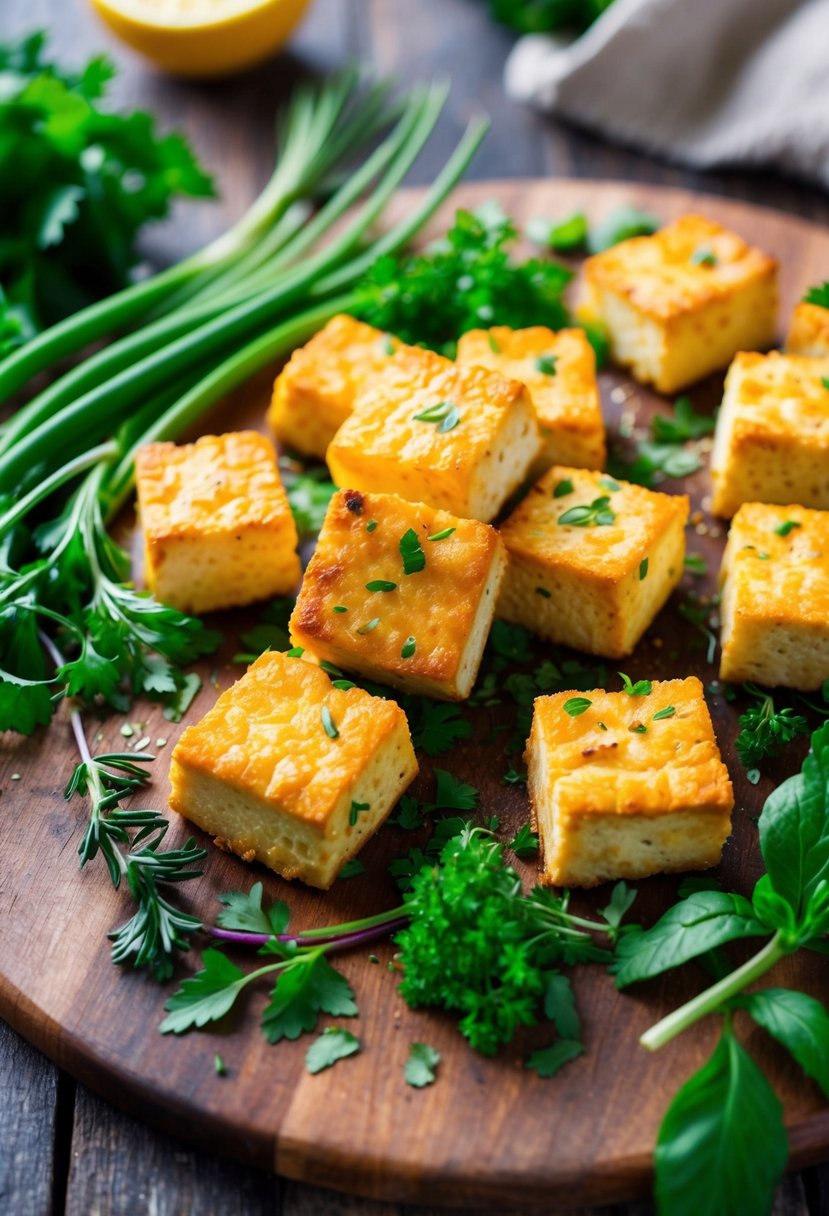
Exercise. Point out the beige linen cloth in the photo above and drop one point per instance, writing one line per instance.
(703, 82)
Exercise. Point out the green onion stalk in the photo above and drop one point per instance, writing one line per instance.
(180, 342)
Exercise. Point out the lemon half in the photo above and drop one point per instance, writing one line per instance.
(202, 37)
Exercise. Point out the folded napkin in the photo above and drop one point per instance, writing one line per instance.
(703, 82)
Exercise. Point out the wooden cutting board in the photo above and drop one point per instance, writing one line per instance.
(488, 1131)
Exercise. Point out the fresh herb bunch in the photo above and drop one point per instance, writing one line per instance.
(469, 941)
(464, 282)
(765, 729)
(544, 16)
(67, 456)
(130, 843)
(722, 1145)
(80, 183)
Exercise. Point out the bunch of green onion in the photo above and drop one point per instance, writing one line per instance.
(185, 338)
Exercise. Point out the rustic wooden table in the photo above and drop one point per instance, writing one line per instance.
(61, 1148)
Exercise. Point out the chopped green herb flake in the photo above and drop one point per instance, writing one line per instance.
(353, 868)
(825, 381)
(524, 843)
(695, 564)
(546, 364)
(328, 723)
(642, 688)
(444, 413)
(371, 525)
(609, 484)
(818, 295)
(381, 584)
(602, 726)
(414, 559)
(356, 807)
(562, 235)
(576, 706)
(562, 488)
(493, 345)
(330, 669)
(620, 225)
(369, 625)
(441, 535)
(638, 728)
(513, 777)
(409, 647)
(643, 569)
(296, 652)
(332, 1045)
(343, 685)
(219, 1065)
(667, 712)
(339, 608)
(419, 1069)
(763, 557)
(704, 255)
(786, 527)
(598, 514)
(543, 592)
(388, 344)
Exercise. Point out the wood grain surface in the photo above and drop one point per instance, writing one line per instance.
(488, 1131)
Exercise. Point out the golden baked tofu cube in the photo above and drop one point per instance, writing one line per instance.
(401, 593)
(559, 370)
(771, 442)
(809, 331)
(775, 597)
(680, 304)
(218, 530)
(288, 770)
(591, 560)
(624, 787)
(315, 391)
(426, 429)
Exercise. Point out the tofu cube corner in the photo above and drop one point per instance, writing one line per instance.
(218, 529)
(678, 305)
(809, 331)
(774, 603)
(400, 593)
(559, 370)
(629, 786)
(456, 437)
(591, 560)
(290, 771)
(315, 391)
(771, 443)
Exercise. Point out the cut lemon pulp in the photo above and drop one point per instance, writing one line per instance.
(202, 37)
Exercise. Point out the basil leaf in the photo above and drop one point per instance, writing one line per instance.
(794, 827)
(796, 1020)
(695, 925)
(722, 1145)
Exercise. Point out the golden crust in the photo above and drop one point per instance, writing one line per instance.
(660, 278)
(265, 737)
(566, 401)
(438, 606)
(315, 391)
(809, 331)
(470, 468)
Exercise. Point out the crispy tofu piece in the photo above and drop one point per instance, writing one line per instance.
(771, 443)
(809, 331)
(218, 530)
(775, 597)
(559, 370)
(613, 800)
(680, 304)
(595, 586)
(288, 770)
(423, 632)
(314, 393)
(426, 429)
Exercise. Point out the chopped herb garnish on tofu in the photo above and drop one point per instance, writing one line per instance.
(602, 726)
(609, 484)
(296, 652)
(642, 688)
(818, 295)
(409, 647)
(704, 255)
(825, 381)
(524, 843)
(565, 486)
(339, 608)
(441, 535)
(695, 564)
(598, 514)
(381, 584)
(667, 712)
(638, 728)
(343, 685)
(444, 413)
(643, 569)
(369, 625)
(388, 344)
(543, 592)
(546, 364)
(763, 557)
(414, 559)
(330, 669)
(328, 723)
(371, 525)
(356, 808)
(576, 706)
(333, 1044)
(493, 345)
(786, 527)
(419, 1069)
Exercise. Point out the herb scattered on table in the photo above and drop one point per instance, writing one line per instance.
(419, 1069)
(620, 225)
(722, 1145)
(818, 295)
(665, 454)
(524, 843)
(765, 729)
(332, 1045)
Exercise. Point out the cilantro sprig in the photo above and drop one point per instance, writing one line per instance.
(722, 1145)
